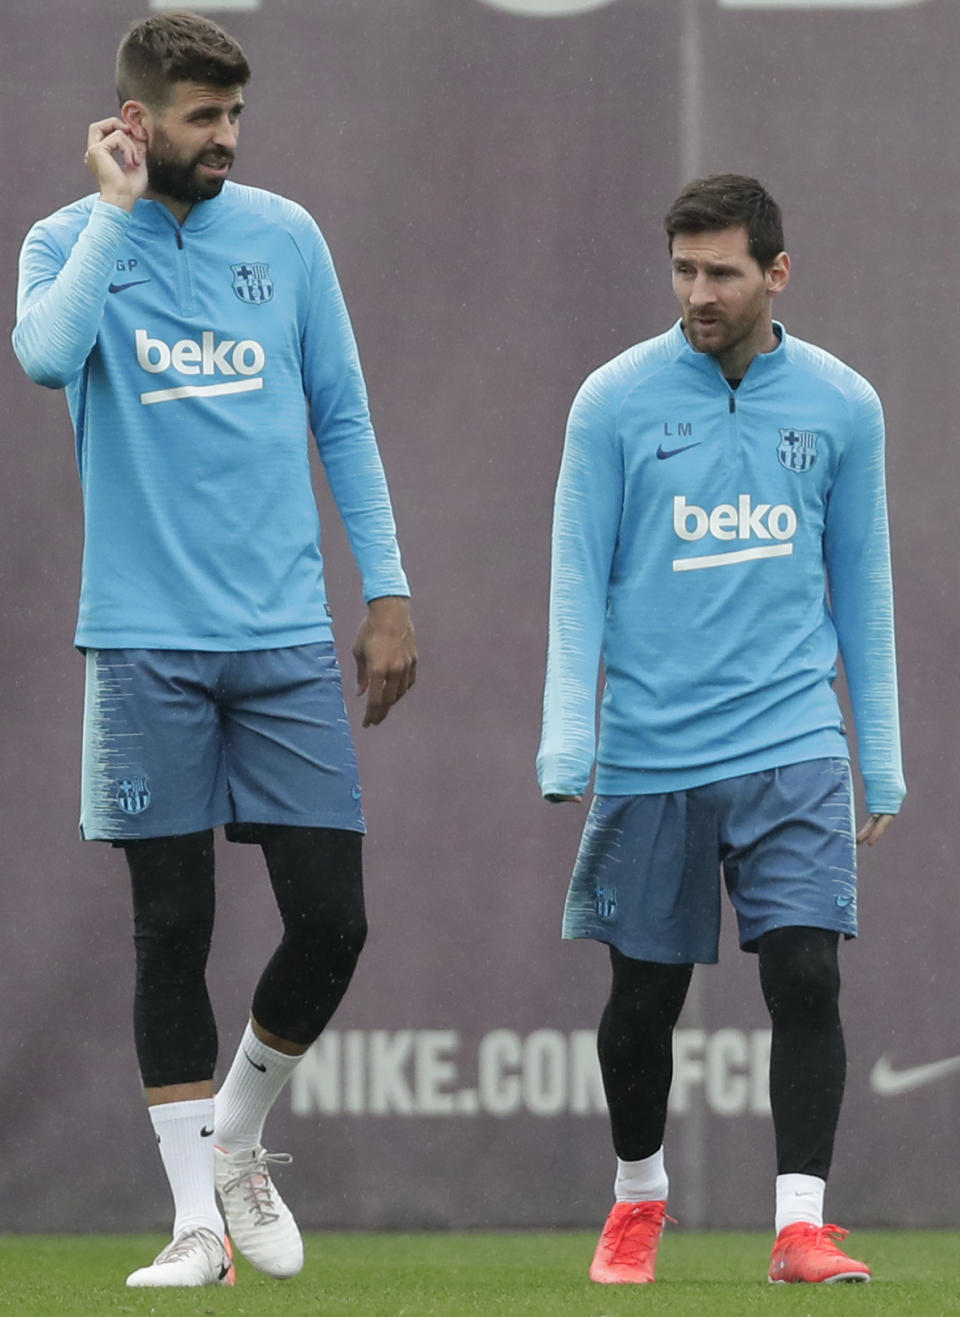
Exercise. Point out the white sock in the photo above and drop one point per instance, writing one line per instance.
(250, 1089)
(184, 1133)
(643, 1181)
(799, 1198)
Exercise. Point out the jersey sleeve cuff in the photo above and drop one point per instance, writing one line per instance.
(396, 586)
(554, 783)
(885, 801)
(106, 215)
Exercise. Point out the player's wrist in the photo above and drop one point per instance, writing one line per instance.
(119, 199)
(390, 611)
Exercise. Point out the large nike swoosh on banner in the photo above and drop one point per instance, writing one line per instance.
(890, 1083)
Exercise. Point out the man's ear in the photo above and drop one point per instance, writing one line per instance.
(778, 276)
(137, 118)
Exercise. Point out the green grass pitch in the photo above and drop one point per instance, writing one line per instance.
(721, 1274)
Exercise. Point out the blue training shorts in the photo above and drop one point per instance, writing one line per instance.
(178, 741)
(647, 876)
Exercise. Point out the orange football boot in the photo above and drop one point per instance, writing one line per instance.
(807, 1253)
(627, 1249)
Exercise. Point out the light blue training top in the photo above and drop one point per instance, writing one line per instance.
(193, 358)
(696, 530)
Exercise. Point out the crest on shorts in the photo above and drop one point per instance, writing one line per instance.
(133, 794)
(605, 902)
(252, 283)
(797, 450)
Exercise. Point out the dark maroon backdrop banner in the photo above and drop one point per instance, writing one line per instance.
(491, 178)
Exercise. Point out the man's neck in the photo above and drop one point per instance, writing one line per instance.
(735, 362)
(179, 209)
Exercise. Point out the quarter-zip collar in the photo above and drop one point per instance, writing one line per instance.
(761, 368)
(158, 217)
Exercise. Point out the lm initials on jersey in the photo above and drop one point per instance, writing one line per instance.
(728, 522)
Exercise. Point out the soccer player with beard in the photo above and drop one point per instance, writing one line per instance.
(197, 326)
(720, 527)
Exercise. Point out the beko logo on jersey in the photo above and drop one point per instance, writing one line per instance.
(227, 357)
(745, 521)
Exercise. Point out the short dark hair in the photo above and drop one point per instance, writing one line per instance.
(727, 201)
(176, 46)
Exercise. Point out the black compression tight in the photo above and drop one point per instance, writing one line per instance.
(635, 1047)
(317, 878)
(173, 907)
(800, 979)
(316, 874)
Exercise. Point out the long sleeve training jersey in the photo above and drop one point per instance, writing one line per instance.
(712, 546)
(193, 358)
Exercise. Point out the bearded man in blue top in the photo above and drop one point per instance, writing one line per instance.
(198, 328)
(720, 532)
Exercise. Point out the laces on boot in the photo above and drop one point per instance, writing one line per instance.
(186, 1243)
(257, 1187)
(637, 1235)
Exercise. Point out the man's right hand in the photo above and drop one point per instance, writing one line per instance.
(117, 161)
(555, 798)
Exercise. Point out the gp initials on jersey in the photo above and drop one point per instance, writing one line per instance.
(728, 522)
(206, 357)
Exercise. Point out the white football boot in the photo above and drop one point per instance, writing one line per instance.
(258, 1220)
(194, 1257)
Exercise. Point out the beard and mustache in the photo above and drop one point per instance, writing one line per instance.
(173, 176)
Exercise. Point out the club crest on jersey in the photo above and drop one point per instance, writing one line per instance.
(797, 449)
(605, 902)
(252, 283)
(133, 794)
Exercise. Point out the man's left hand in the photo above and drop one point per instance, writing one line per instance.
(386, 654)
(874, 828)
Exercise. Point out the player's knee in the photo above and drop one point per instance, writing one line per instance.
(353, 937)
(173, 947)
(333, 945)
(173, 907)
(800, 974)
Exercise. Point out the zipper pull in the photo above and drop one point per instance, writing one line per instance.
(179, 240)
(733, 404)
